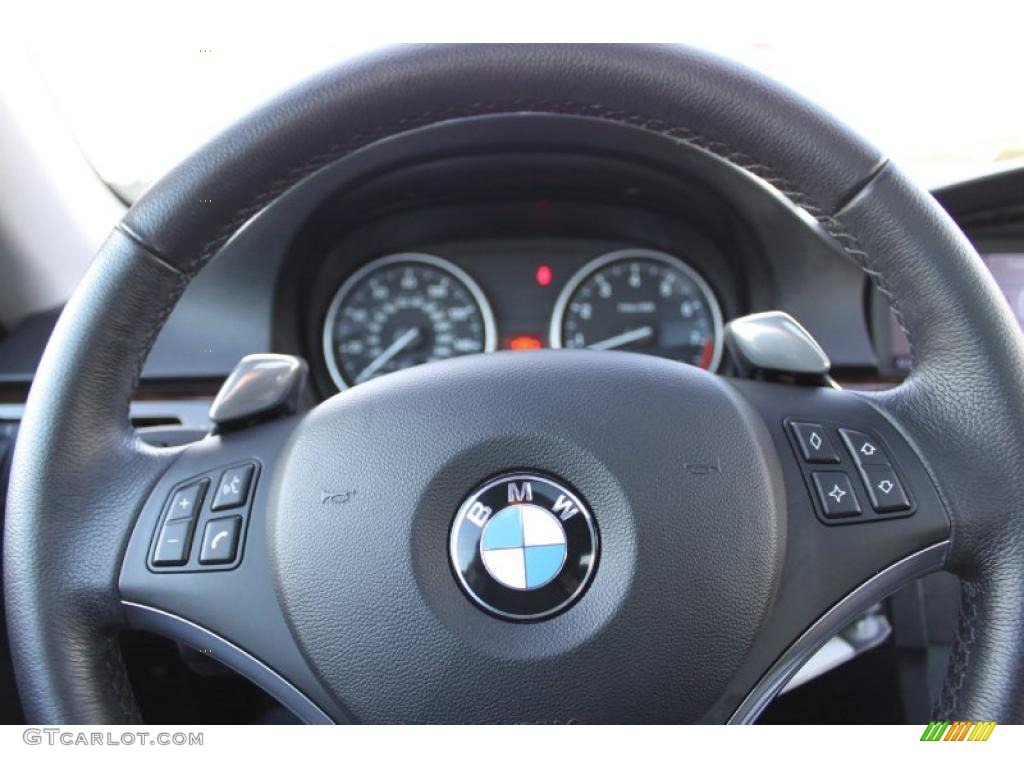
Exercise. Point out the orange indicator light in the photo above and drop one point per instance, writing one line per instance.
(520, 343)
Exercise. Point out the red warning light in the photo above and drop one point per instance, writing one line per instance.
(543, 275)
(520, 343)
(707, 355)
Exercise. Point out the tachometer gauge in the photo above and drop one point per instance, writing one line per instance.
(640, 301)
(400, 311)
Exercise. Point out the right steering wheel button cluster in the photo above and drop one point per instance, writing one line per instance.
(880, 494)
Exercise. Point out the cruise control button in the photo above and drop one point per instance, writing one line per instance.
(815, 445)
(233, 488)
(835, 491)
(186, 501)
(220, 541)
(864, 448)
(172, 543)
(885, 489)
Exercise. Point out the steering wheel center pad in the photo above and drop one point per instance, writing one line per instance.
(689, 560)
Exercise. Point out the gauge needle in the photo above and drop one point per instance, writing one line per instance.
(622, 339)
(402, 342)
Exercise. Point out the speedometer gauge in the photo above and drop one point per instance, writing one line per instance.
(640, 301)
(400, 311)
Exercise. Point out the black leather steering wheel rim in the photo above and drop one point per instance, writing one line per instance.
(79, 472)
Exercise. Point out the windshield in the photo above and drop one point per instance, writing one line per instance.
(944, 102)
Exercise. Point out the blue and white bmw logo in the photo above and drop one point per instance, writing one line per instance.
(523, 546)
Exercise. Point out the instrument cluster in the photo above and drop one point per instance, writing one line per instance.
(407, 308)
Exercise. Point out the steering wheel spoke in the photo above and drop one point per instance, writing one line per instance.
(196, 568)
(863, 518)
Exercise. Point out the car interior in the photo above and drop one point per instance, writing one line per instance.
(746, 400)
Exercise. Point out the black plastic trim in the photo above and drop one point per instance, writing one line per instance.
(878, 587)
(175, 627)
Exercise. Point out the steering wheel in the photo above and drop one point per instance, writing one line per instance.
(716, 565)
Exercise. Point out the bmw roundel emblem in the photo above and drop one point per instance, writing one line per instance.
(523, 546)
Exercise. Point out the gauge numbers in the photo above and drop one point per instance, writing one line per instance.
(400, 311)
(640, 300)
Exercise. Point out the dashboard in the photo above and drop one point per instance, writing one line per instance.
(454, 240)
(405, 309)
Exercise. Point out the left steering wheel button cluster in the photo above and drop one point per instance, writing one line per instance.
(191, 508)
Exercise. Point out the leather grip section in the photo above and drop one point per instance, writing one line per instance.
(963, 407)
(681, 92)
(77, 481)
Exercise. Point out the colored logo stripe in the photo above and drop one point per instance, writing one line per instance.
(959, 730)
